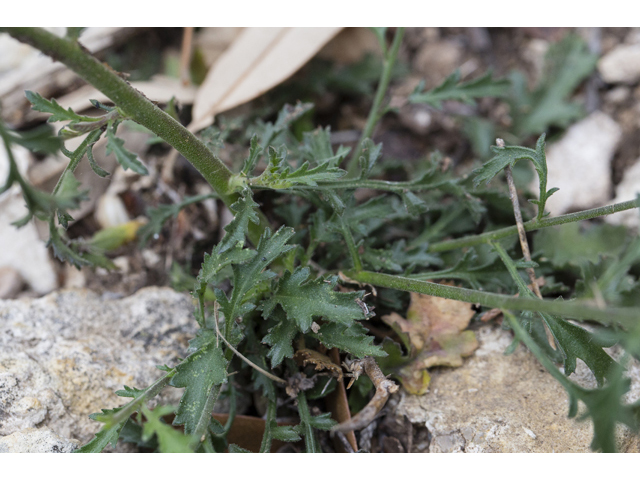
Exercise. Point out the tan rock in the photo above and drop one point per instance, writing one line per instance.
(436, 61)
(498, 403)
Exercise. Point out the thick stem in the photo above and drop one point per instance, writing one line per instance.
(626, 317)
(530, 226)
(137, 107)
(376, 108)
(133, 103)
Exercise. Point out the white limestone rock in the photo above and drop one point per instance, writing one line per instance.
(621, 64)
(579, 165)
(64, 355)
(32, 440)
(627, 189)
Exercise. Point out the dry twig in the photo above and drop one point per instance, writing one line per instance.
(185, 55)
(522, 235)
(384, 388)
(216, 308)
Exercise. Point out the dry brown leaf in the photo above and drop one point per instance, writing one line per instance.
(247, 432)
(351, 45)
(435, 328)
(307, 356)
(338, 405)
(257, 60)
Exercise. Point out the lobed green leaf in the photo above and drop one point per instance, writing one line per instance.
(352, 339)
(197, 374)
(507, 157)
(467, 92)
(124, 157)
(303, 300)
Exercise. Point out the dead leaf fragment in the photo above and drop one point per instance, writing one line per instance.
(338, 404)
(307, 356)
(384, 388)
(435, 332)
(299, 382)
(257, 60)
(247, 432)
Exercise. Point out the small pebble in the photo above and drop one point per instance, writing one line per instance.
(10, 282)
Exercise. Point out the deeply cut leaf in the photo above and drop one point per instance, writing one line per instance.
(58, 113)
(279, 175)
(567, 64)
(197, 374)
(353, 340)
(304, 299)
(170, 440)
(467, 92)
(508, 156)
(124, 157)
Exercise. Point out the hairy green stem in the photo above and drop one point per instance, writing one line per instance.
(511, 267)
(524, 337)
(376, 108)
(137, 107)
(133, 103)
(396, 187)
(627, 317)
(531, 225)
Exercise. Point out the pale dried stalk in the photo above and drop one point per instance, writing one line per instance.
(185, 55)
(384, 388)
(522, 235)
(216, 307)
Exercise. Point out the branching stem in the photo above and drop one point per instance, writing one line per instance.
(626, 317)
(137, 107)
(530, 226)
(77, 155)
(522, 235)
(376, 108)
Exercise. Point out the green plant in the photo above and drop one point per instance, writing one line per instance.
(283, 295)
